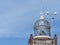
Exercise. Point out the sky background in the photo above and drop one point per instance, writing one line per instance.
(17, 18)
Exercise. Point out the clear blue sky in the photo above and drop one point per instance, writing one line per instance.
(17, 18)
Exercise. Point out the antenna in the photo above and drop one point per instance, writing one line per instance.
(41, 11)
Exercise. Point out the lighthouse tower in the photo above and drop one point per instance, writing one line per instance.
(42, 29)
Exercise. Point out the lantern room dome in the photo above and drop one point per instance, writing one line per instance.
(42, 27)
(42, 22)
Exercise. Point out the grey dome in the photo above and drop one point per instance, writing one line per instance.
(42, 22)
(42, 27)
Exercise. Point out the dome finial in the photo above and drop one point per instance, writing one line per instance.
(41, 17)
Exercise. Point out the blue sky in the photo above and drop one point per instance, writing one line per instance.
(17, 18)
